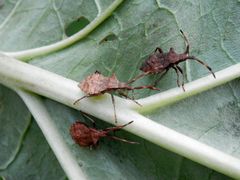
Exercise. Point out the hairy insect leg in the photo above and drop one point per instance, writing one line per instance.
(203, 63)
(127, 97)
(186, 42)
(158, 79)
(114, 108)
(121, 139)
(116, 128)
(75, 102)
(181, 71)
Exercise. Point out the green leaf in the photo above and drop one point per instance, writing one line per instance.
(15, 120)
(211, 117)
(120, 45)
(35, 159)
(24, 153)
(125, 161)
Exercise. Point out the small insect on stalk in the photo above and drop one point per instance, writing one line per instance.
(89, 137)
(97, 84)
(160, 62)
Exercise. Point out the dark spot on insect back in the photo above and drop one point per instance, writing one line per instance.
(76, 26)
(110, 37)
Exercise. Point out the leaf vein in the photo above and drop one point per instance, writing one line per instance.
(11, 14)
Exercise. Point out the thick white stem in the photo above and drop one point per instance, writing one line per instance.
(66, 91)
(52, 135)
(182, 144)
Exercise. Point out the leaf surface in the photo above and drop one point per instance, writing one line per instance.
(24, 152)
(120, 45)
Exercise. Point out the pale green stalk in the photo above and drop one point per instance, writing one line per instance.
(52, 135)
(30, 53)
(49, 129)
(66, 91)
(170, 96)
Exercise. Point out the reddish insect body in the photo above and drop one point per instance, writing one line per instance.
(160, 62)
(97, 84)
(89, 137)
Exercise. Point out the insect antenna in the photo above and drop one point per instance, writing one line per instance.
(201, 62)
(121, 139)
(186, 42)
(75, 102)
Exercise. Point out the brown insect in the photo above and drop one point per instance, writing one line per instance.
(160, 62)
(89, 137)
(97, 84)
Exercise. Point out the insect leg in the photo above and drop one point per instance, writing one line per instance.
(121, 139)
(133, 94)
(176, 70)
(181, 71)
(203, 63)
(147, 87)
(186, 42)
(114, 108)
(138, 77)
(159, 50)
(97, 72)
(75, 102)
(88, 117)
(116, 128)
(158, 79)
(127, 97)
